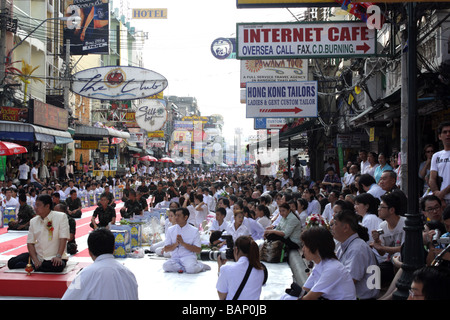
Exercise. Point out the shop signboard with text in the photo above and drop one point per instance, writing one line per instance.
(294, 99)
(335, 39)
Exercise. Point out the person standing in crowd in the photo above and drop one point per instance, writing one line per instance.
(46, 241)
(364, 164)
(24, 170)
(246, 255)
(38, 184)
(106, 278)
(424, 168)
(440, 165)
(383, 166)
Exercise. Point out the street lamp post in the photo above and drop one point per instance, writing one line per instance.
(413, 253)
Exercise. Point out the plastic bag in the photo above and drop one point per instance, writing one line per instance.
(136, 253)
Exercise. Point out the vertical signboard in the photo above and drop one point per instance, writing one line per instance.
(87, 26)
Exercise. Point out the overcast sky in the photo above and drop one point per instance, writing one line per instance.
(179, 48)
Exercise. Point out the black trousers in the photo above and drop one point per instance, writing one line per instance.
(21, 261)
(288, 242)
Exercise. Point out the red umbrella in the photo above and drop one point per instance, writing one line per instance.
(167, 160)
(9, 148)
(148, 158)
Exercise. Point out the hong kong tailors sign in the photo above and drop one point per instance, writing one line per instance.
(118, 83)
(305, 40)
(281, 99)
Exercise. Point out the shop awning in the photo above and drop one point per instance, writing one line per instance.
(18, 131)
(118, 134)
(84, 132)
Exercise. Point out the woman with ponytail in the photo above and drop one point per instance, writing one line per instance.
(243, 279)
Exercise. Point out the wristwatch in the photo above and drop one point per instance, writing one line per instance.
(58, 255)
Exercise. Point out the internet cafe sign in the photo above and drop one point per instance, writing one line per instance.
(118, 83)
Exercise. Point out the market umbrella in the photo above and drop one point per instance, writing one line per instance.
(167, 160)
(148, 158)
(9, 148)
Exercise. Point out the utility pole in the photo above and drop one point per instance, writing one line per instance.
(412, 255)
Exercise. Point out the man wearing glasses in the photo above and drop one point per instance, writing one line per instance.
(390, 235)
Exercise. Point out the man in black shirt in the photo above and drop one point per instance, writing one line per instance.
(131, 206)
(142, 200)
(108, 194)
(159, 194)
(25, 214)
(74, 204)
(104, 212)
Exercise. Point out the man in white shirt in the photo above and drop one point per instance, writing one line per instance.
(10, 202)
(328, 211)
(47, 239)
(440, 166)
(183, 241)
(34, 176)
(106, 278)
(364, 162)
(24, 169)
(368, 184)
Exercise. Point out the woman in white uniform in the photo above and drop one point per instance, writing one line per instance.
(329, 278)
(231, 276)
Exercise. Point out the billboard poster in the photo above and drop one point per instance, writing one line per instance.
(87, 26)
(273, 70)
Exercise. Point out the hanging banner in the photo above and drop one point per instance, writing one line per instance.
(87, 26)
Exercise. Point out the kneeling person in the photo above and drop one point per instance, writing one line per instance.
(183, 241)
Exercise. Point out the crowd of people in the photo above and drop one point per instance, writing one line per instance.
(362, 214)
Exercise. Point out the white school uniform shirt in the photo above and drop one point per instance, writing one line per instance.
(313, 207)
(34, 172)
(376, 191)
(264, 222)
(189, 234)
(242, 230)
(11, 203)
(371, 222)
(230, 215)
(200, 215)
(230, 278)
(256, 229)
(327, 213)
(105, 279)
(331, 278)
(216, 227)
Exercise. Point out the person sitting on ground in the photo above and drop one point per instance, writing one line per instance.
(246, 255)
(131, 207)
(366, 206)
(288, 230)
(74, 204)
(46, 241)
(354, 252)
(106, 278)
(24, 216)
(329, 278)
(219, 223)
(72, 247)
(104, 213)
(237, 227)
(109, 195)
(263, 215)
(183, 241)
